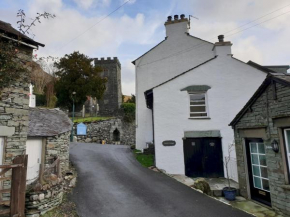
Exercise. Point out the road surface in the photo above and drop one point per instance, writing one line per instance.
(111, 183)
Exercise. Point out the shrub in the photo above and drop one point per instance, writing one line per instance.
(128, 111)
(40, 99)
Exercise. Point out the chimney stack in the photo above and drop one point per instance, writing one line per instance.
(221, 38)
(177, 26)
(222, 48)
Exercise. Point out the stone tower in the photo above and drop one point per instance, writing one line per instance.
(112, 98)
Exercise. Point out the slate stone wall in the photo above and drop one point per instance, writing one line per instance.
(263, 111)
(58, 146)
(14, 105)
(41, 201)
(112, 99)
(104, 130)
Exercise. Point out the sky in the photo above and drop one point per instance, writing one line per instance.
(80, 25)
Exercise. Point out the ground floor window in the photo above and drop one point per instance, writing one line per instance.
(287, 144)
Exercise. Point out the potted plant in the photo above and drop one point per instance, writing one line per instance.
(229, 192)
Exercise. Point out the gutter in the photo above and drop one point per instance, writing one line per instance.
(21, 42)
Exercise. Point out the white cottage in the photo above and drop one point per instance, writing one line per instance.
(193, 89)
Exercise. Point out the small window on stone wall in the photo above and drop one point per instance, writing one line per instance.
(116, 135)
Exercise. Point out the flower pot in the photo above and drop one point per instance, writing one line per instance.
(230, 193)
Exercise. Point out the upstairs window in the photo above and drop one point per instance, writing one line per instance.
(198, 105)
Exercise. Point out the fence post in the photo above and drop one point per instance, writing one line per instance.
(18, 186)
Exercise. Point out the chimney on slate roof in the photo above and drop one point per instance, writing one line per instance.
(177, 26)
(222, 48)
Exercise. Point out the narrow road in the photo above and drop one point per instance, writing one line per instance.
(111, 183)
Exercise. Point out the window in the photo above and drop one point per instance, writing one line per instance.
(198, 105)
(287, 144)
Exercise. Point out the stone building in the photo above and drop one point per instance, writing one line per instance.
(262, 140)
(112, 99)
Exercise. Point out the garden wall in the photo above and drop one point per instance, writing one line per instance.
(113, 131)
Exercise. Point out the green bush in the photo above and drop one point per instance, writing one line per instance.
(40, 99)
(128, 111)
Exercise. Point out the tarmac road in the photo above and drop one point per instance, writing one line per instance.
(111, 183)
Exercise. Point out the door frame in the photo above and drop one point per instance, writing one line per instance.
(249, 172)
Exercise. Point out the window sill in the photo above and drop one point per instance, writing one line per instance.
(205, 118)
(286, 187)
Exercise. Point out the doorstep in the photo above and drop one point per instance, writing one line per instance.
(250, 207)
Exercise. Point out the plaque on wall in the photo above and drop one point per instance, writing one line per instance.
(169, 143)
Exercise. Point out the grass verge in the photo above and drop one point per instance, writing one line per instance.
(89, 119)
(146, 160)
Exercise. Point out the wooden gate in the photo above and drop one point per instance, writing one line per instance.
(18, 187)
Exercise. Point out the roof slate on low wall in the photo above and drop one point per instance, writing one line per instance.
(47, 122)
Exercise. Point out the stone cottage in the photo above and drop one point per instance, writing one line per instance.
(262, 139)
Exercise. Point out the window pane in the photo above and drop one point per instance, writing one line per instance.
(257, 182)
(261, 148)
(255, 159)
(197, 109)
(194, 97)
(256, 170)
(264, 172)
(263, 160)
(201, 102)
(198, 115)
(265, 184)
(253, 147)
(288, 139)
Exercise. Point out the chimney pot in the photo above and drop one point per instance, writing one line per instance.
(182, 16)
(175, 17)
(169, 18)
(221, 38)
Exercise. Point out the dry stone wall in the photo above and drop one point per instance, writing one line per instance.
(58, 146)
(107, 131)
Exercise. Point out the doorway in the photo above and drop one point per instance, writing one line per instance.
(203, 157)
(116, 135)
(34, 151)
(258, 171)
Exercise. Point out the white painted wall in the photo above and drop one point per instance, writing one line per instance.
(33, 150)
(1, 150)
(232, 84)
(184, 52)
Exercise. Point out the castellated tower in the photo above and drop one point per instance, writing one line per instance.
(112, 99)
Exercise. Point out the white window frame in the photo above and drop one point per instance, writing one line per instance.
(205, 103)
(287, 150)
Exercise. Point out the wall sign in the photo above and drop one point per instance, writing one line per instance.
(169, 143)
(81, 129)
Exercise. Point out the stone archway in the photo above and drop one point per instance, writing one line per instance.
(116, 135)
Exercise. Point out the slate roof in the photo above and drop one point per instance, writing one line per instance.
(281, 78)
(8, 30)
(47, 122)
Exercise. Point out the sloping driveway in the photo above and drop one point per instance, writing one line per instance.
(111, 183)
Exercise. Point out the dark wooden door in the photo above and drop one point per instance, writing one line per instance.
(203, 157)
(258, 171)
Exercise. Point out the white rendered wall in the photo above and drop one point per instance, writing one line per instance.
(232, 84)
(151, 71)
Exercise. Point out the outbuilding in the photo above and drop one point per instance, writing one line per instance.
(48, 139)
(262, 139)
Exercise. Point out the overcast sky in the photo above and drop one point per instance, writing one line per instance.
(139, 25)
